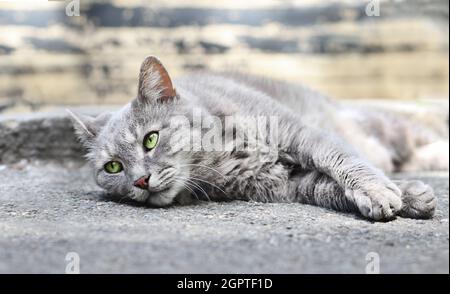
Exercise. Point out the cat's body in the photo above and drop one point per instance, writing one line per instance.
(322, 153)
(387, 140)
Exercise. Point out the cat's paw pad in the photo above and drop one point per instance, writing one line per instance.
(379, 202)
(418, 200)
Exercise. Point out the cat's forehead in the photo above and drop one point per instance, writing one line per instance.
(129, 118)
(128, 126)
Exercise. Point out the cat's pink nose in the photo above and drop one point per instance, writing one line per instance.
(142, 183)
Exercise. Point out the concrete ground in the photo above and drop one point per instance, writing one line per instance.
(48, 210)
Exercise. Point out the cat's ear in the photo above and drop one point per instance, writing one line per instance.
(155, 84)
(87, 127)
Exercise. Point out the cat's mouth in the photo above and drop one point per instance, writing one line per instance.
(158, 191)
(161, 185)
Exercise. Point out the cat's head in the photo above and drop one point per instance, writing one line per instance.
(131, 149)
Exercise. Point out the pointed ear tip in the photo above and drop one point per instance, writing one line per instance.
(78, 121)
(149, 60)
(70, 113)
(75, 116)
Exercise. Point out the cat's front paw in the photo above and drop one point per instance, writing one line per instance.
(418, 200)
(377, 201)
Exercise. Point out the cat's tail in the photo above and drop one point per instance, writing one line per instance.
(431, 144)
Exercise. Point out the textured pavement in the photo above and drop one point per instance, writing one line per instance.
(47, 210)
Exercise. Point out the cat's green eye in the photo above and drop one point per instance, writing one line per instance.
(151, 140)
(113, 167)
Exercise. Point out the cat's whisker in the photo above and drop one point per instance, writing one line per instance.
(196, 186)
(185, 185)
(191, 190)
(207, 182)
(204, 166)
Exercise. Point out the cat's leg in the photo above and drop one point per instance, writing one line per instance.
(318, 189)
(376, 196)
(418, 199)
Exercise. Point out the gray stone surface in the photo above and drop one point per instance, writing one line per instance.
(42, 135)
(48, 210)
(49, 206)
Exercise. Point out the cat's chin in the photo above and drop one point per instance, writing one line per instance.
(160, 200)
(162, 197)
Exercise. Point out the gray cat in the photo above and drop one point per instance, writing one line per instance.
(320, 155)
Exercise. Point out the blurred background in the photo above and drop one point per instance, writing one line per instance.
(48, 58)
